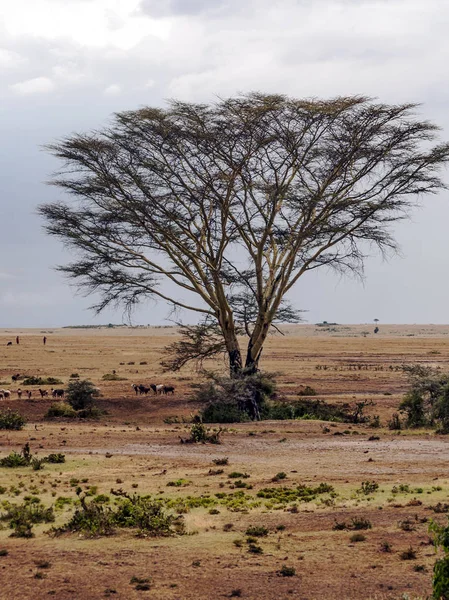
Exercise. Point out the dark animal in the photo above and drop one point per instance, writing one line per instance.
(57, 393)
(9, 344)
(19, 393)
(29, 394)
(43, 393)
(376, 330)
(135, 388)
(143, 389)
(15, 377)
(153, 387)
(169, 389)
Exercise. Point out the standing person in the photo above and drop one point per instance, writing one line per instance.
(44, 340)
(17, 339)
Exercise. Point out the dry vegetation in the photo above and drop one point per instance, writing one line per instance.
(354, 540)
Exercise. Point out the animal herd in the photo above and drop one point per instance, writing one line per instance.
(139, 389)
(156, 389)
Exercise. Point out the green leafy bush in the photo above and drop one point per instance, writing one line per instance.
(81, 394)
(235, 400)
(143, 513)
(61, 409)
(10, 419)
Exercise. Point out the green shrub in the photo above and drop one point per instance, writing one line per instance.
(440, 582)
(201, 434)
(41, 381)
(143, 513)
(279, 476)
(60, 409)
(10, 419)
(413, 407)
(21, 517)
(55, 458)
(257, 531)
(113, 377)
(368, 487)
(81, 394)
(235, 400)
(17, 459)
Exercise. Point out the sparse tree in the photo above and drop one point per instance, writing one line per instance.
(220, 209)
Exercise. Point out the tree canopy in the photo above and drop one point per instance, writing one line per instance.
(230, 203)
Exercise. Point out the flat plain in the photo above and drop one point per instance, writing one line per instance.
(136, 446)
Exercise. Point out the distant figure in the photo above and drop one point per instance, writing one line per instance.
(376, 330)
(44, 340)
(17, 340)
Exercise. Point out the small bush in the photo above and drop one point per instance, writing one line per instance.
(60, 409)
(3, 552)
(55, 458)
(409, 554)
(21, 517)
(17, 459)
(74, 376)
(279, 476)
(81, 394)
(113, 377)
(12, 420)
(285, 571)
(360, 523)
(395, 422)
(137, 512)
(368, 487)
(41, 381)
(200, 434)
(257, 531)
(307, 391)
(220, 461)
(385, 546)
(357, 537)
(255, 549)
(238, 475)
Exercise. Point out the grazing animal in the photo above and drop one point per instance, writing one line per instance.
(29, 394)
(15, 377)
(159, 389)
(6, 393)
(169, 389)
(19, 393)
(1, 396)
(143, 389)
(43, 393)
(135, 388)
(57, 393)
(153, 387)
(9, 344)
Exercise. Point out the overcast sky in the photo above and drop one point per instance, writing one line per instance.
(66, 65)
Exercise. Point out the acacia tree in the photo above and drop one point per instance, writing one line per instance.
(231, 203)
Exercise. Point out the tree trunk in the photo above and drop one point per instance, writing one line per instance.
(255, 347)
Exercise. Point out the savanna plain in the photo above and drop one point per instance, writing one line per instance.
(259, 525)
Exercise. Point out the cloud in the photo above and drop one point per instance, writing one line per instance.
(10, 59)
(164, 8)
(112, 90)
(37, 85)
